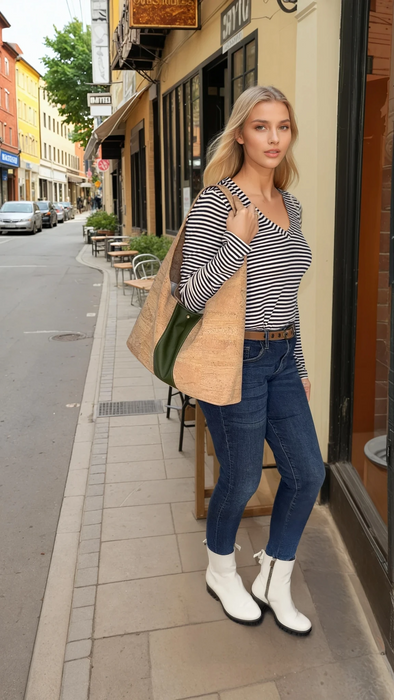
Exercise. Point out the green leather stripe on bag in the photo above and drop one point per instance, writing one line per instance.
(166, 351)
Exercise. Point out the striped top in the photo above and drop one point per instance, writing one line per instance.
(276, 262)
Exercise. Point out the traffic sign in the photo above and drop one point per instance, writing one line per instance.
(103, 165)
(97, 183)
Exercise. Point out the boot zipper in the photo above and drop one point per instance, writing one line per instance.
(272, 564)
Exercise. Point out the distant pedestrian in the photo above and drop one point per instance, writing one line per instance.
(79, 204)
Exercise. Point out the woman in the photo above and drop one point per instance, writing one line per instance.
(253, 159)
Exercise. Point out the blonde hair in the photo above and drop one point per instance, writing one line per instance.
(225, 155)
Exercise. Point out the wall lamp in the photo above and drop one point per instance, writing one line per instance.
(287, 5)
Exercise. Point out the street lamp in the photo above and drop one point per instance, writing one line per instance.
(287, 5)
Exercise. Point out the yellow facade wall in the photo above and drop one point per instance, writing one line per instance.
(27, 82)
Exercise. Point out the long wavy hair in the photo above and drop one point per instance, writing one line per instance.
(225, 155)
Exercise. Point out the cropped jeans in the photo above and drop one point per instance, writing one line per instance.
(274, 408)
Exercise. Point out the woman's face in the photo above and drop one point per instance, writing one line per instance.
(266, 134)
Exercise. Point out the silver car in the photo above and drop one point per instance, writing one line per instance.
(69, 208)
(22, 216)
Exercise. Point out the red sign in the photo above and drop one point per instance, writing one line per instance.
(89, 173)
(103, 165)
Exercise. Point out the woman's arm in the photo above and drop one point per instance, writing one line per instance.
(211, 254)
(298, 354)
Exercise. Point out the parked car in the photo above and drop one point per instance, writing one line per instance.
(61, 212)
(48, 213)
(22, 216)
(70, 209)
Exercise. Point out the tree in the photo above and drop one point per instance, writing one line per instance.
(68, 75)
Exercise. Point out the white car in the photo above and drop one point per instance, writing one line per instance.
(22, 216)
(61, 212)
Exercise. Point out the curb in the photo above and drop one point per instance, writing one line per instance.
(46, 667)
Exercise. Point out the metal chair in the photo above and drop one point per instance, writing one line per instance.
(185, 399)
(145, 266)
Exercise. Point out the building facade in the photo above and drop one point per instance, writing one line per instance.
(334, 60)
(59, 165)
(9, 149)
(27, 92)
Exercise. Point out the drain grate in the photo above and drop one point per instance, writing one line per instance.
(67, 336)
(129, 408)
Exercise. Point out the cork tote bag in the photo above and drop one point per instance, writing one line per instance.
(200, 354)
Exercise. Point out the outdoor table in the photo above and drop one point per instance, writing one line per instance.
(122, 254)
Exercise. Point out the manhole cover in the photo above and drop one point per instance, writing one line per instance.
(65, 337)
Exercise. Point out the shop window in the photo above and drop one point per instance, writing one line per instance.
(243, 68)
(182, 149)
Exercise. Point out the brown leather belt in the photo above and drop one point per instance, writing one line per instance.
(286, 333)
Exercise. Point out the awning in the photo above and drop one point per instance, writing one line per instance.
(113, 126)
(75, 178)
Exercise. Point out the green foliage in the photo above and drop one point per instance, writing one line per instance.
(67, 76)
(151, 244)
(102, 220)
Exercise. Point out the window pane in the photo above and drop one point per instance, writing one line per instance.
(196, 177)
(250, 79)
(251, 55)
(187, 129)
(237, 88)
(195, 87)
(238, 63)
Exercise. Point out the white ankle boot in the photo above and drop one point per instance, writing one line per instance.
(225, 585)
(272, 588)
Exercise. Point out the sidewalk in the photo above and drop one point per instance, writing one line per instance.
(142, 626)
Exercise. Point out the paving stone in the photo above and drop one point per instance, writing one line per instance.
(134, 453)
(124, 421)
(84, 596)
(95, 490)
(82, 614)
(78, 650)
(92, 517)
(136, 379)
(93, 502)
(188, 660)
(95, 479)
(148, 492)
(170, 449)
(86, 561)
(76, 680)
(139, 558)
(135, 471)
(80, 630)
(120, 669)
(134, 435)
(362, 678)
(262, 691)
(90, 532)
(340, 613)
(154, 603)
(140, 393)
(194, 553)
(179, 468)
(136, 521)
(86, 577)
(97, 469)
(184, 518)
(321, 549)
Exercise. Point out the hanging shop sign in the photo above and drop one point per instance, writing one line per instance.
(233, 19)
(174, 14)
(100, 42)
(100, 104)
(103, 165)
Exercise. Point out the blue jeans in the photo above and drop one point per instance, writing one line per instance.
(273, 407)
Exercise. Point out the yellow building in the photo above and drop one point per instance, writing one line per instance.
(27, 82)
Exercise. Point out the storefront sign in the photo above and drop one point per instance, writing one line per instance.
(174, 14)
(100, 104)
(9, 159)
(236, 16)
(100, 43)
(103, 165)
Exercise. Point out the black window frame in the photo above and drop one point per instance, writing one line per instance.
(253, 36)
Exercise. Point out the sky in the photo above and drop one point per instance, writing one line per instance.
(32, 21)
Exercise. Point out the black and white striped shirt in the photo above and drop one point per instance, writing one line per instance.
(276, 262)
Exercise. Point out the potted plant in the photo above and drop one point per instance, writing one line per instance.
(151, 244)
(104, 223)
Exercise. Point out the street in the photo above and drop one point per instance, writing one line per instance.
(44, 290)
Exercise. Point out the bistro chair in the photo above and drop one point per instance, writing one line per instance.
(186, 410)
(145, 266)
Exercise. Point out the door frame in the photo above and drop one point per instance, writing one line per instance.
(361, 527)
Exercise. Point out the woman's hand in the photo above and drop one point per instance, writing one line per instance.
(244, 223)
(307, 387)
